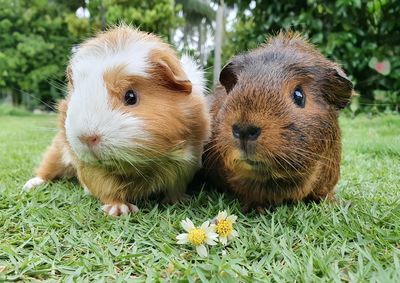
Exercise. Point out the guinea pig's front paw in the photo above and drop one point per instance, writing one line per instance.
(32, 183)
(86, 191)
(117, 209)
(175, 198)
(261, 209)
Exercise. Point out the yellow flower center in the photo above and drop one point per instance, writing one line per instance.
(224, 228)
(197, 236)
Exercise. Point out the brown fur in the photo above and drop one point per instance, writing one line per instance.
(176, 119)
(297, 155)
(172, 130)
(167, 72)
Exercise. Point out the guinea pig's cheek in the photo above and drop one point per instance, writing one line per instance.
(73, 133)
(231, 158)
(71, 137)
(233, 161)
(243, 166)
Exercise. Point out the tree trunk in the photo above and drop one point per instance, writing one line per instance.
(204, 38)
(219, 33)
(200, 43)
(185, 35)
(16, 98)
(103, 17)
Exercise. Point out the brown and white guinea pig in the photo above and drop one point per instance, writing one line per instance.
(275, 133)
(134, 122)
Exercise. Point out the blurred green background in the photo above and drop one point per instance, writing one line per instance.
(37, 36)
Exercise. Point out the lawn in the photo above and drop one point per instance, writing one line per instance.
(56, 232)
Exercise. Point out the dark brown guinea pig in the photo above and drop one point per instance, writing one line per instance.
(275, 134)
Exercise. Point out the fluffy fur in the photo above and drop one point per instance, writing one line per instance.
(151, 147)
(297, 153)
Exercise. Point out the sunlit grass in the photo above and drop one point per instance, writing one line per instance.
(57, 232)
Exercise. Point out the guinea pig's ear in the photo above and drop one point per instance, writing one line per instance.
(167, 71)
(340, 88)
(229, 75)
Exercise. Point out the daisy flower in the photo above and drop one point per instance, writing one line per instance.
(198, 236)
(224, 226)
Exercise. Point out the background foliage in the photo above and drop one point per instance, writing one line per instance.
(351, 32)
(36, 37)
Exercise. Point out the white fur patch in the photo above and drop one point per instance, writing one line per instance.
(89, 110)
(89, 114)
(130, 51)
(195, 74)
(66, 157)
(188, 155)
(32, 183)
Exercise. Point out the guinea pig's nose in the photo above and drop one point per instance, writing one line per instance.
(90, 140)
(246, 132)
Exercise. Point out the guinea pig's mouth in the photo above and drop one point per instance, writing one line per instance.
(96, 159)
(113, 158)
(255, 165)
(89, 156)
(264, 169)
(253, 162)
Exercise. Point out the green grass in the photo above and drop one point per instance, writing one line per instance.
(13, 111)
(58, 233)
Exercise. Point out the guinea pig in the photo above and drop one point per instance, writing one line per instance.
(275, 134)
(134, 122)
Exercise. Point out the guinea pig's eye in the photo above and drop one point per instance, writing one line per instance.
(131, 97)
(299, 97)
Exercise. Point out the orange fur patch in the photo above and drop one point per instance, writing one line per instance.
(176, 120)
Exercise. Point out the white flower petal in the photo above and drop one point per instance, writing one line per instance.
(222, 215)
(234, 234)
(187, 225)
(211, 242)
(182, 238)
(212, 235)
(210, 229)
(202, 250)
(223, 240)
(232, 218)
(205, 225)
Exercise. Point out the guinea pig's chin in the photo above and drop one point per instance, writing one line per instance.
(88, 156)
(104, 157)
(247, 165)
(254, 165)
(237, 160)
